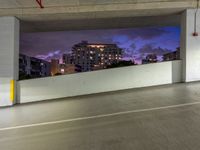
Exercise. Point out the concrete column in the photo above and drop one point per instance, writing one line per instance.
(190, 46)
(9, 55)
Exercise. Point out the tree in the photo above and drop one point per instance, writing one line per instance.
(122, 63)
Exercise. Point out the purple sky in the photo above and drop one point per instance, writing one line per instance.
(137, 42)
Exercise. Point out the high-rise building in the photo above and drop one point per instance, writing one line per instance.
(93, 56)
(55, 68)
(67, 59)
(68, 69)
(172, 55)
(33, 67)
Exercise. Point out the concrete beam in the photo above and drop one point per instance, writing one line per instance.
(95, 9)
(103, 23)
(82, 14)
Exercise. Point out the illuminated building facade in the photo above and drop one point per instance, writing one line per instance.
(67, 59)
(55, 67)
(94, 56)
(31, 67)
(68, 69)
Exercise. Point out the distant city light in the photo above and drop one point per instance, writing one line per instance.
(107, 50)
(101, 49)
(62, 70)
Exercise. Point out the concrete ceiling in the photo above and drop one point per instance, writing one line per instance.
(104, 23)
(90, 14)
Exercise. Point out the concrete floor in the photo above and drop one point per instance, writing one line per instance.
(156, 118)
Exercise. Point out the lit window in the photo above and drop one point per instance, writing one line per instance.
(101, 49)
(62, 70)
(92, 46)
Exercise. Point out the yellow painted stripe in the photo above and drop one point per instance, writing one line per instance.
(12, 90)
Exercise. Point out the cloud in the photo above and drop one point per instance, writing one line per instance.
(149, 33)
(134, 33)
(50, 55)
(139, 54)
(33, 44)
(44, 44)
(133, 46)
(149, 49)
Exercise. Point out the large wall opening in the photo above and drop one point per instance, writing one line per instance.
(45, 54)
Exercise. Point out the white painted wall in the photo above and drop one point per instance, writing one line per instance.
(190, 46)
(99, 81)
(9, 53)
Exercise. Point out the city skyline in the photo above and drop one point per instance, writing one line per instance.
(136, 42)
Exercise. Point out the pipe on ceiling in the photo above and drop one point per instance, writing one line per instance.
(40, 3)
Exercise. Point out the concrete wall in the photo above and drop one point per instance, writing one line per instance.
(9, 48)
(190, 46)
(99, 81)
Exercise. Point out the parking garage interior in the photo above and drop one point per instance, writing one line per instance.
(154, 107)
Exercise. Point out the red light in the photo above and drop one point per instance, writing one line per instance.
(195, 34)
